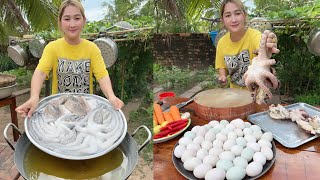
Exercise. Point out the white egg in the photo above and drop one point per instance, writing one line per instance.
(211, 159)
(179, 150)
(201, 131)
(225, 131)
(250, 138)
(207, 145)
(219, 126)
(190, 134)
(210, 136)
(239, 132)
(259, 157)
(228, 144)
(202, 153)
(268, 153)
(236, 172)
(195, 129)
(201, 170)
(227, 155)
(222, 137)
(263, 142)
(247, 124)
(224, 122)
(241, 141)
(255, 128)
(215, 130)
(187, 154)
(194, 146)
(216, 151)
(236, 149)
(191, 163)
(224, 164)
(217, 143)
(232, 135)
(215, 174)
(257, 134)
(185, 141)
(247, 153)
(238, 123)
(207, 126)
(247, 131)
(267, 136)
(254, 169)
(254, 146)
(240, 161)
(198, 140)
(230, 126)
(213, 123)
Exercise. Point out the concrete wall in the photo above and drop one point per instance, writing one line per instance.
(195, 50)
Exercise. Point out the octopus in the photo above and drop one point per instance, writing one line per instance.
(70, 125)
(260, 76)
(311, 124)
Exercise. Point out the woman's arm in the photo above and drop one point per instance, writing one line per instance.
(106, 87)
(28, 107)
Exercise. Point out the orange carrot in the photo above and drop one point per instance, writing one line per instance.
(158, 112)
(167, 116)
(175, 113)
(155, 121)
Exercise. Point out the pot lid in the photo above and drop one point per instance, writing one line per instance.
(17, 54)
(314, 41)
(109, 50)
(36, 47)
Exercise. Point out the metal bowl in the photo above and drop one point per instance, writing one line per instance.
(6, 91)
(36, 47)
(109, 50)
(38, 142)
(314, 41)
(17, 54)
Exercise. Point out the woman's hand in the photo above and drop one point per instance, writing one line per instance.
(222, 80)
(116, 102)
(272, 42)
(28, 107)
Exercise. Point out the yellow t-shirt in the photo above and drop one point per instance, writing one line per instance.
(72, 66)
(237, 56)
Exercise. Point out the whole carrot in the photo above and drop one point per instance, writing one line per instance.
(167, 116)
(158, 112)
(175, 113)
(155, 121)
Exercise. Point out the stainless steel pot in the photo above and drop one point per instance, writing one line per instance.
(128, 146)
(18, 54)
(36, 47)
(314, 41)
(109, 50)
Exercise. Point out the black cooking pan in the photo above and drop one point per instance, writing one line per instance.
(128, 146)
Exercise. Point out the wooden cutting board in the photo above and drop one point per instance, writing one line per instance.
(229, 104)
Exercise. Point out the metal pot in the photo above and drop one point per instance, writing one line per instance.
(36, 47)
(18, 54)
(314, 41)
(6, 91)
(109, 50)
(128, 146)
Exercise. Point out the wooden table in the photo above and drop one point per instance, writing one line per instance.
(11, 101)
(299, 163)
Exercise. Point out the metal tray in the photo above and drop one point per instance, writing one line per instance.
(286, 132)
(178, 164)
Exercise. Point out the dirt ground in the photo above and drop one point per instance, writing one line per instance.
(143, 170)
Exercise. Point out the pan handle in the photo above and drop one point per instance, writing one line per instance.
(147, 140)
(5, 134)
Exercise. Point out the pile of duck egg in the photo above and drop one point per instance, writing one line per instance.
(225, 150)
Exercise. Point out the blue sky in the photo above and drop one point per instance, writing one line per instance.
(93, 9)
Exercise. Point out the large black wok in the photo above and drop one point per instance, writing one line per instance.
(128, 146)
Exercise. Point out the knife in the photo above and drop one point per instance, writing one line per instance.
(180, 105)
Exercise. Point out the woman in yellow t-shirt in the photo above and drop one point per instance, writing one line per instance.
(73, 62)
(235, 50)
